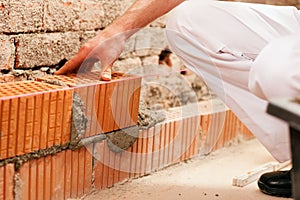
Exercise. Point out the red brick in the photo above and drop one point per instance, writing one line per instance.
(47, 177)
(140, 168)
(7, 174)
(100, 111)
(233, 129)
(223, 130)
(111, 168)
(236, 121)
(41, 180)
(59, 123)
(162, 146)
(216, 129)
(184, 140)
(13, 127)
(133, 160)
(156, 147)
(227, 130)
(189, 140)
(108, 120)
(197, 121)
(117, 104)
(106, 167)
(125, 103)
(94, 125)
(136, 100)
(125, 167)
(74, 169)
(220, 129)
(26, 114)
(143, 150)
(66, 119)
(25, 179)
(88, 168)
(38, 111)
(4, 128)
(168, 144)
(67, 174)
(101, 168)
(245, 132)
(117, 169)
(98, 168)
(172, 146)
(114, 104)
(57, 174)
(21, 127)
(89, 92)
(129, 100)
(29, 124)
(177, 141)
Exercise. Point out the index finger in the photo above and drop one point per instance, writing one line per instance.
(73, 64)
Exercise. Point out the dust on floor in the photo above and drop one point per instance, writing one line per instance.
(201, 178)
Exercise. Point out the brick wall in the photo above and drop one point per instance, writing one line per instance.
(39, 161)
(37, 36)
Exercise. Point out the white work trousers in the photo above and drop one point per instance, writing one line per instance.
(247, 54)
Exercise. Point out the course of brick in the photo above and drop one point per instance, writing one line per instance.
(67, 174)
(96, 167)
(38, 162)
(119, 108)
(34, 116)
(7, 174)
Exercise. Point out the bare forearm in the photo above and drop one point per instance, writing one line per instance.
(109, 43)
(141, 13)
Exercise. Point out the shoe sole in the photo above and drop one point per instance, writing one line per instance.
(274, 191)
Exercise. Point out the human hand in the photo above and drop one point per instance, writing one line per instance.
(104, 47)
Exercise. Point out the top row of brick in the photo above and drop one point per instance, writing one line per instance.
(23, 16)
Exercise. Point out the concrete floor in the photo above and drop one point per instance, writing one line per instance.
(202, 178)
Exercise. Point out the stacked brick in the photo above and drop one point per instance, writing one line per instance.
(7, 177)
(34, 116)
(40, 34)
(65, 175)
(37, 163)
(96, 167)
(35, 121)
(37, 36)
(119, 108)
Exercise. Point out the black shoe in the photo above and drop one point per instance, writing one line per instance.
(276, 184)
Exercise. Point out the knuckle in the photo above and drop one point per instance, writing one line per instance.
(86, 47)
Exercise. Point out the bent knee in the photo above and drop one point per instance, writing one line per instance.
(275, 72)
